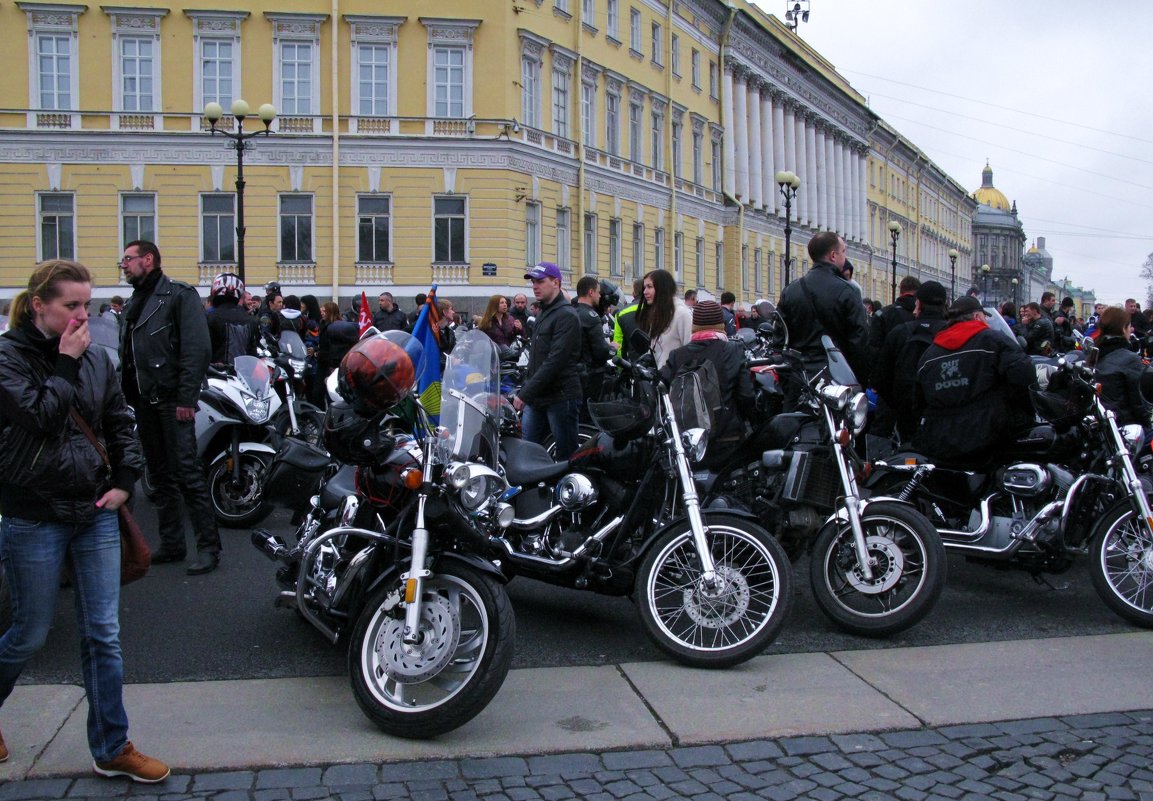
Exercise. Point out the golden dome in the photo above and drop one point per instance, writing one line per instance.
(988, 194)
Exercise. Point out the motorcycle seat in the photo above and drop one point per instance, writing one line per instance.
(529, 463)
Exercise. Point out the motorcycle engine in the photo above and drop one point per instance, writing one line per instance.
(1025, 480)
(575, 492)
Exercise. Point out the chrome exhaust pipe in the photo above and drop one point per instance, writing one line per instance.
(270, 545)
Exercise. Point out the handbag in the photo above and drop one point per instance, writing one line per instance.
(135, 555)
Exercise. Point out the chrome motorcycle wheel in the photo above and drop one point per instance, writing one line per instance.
(907, 559)
(420, 691)
(239, 503)
(1122, 566)
(734, 619)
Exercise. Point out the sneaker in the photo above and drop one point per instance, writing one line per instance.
(135, 765)
(3, 749)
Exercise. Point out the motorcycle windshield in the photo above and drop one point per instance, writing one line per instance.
(470, 401)
(292, 345)
(253, 375)
(839, 370)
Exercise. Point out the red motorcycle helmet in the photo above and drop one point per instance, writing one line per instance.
(378, 371)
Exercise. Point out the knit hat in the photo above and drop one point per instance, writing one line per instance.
(708, 313)
(931, 293)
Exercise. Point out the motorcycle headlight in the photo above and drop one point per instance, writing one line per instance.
(479, 487)
(297, 366)
(695, 440)
(457, 475)
(858, 411)
(1133, 435)
(836, 395)
(257, 408)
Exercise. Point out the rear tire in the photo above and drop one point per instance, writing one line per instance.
(726, 625)
(426, 690)
(908, 574)
(1122, 565)
(240, 504)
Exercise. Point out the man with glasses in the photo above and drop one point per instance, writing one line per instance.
(974, 385)
(164, 353)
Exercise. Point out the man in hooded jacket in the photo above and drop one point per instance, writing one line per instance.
(974, 382)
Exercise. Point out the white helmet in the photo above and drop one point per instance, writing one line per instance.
(227, 285)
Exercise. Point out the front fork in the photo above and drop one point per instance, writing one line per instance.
(691, 499)
(414, 578)
(852, 499)
(1129, 472)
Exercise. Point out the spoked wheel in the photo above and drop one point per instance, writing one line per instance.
(239, 503)
(729, 621)
(908, 565)
(309, 421)
(1122, 566)
(468, 634)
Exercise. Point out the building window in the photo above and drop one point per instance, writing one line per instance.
(696, 69)
(700, 255)
(757, 276)
(635, 31)
(698, 157)
(532, 233)
(716, 153)
(613, 19)
(658, 49)
(589, 13)
(638, 251)
(448, 82)
(745, 267)
(296, 84)
(676, 154)
(613, 123)
(57, 226)
(449, 230)
(137, 218)
(636, 114)
(659, 249)
(216, 71)
(560, 103)
(614, 247)
(678, 255)
(588, 113)
(217, 56)
(563, 241)
(296, 228)
(719, 259)
(450, 67)
(218, 228)
(675, 54)
(561, 6)
(54, 71)
(530, 91)
(590, 254)
(657, 145)
(713, 80)
(374, 229)
(137, 82)
(373, 79)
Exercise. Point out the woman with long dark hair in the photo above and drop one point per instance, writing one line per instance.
(500, 326)
(664, 316)
(59, 501)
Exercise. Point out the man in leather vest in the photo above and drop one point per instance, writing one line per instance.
(164, 353)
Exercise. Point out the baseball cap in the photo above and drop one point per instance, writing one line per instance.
(964, 305)
(931, 292)
(546, 269)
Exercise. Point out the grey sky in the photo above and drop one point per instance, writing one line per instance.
(1053, 94)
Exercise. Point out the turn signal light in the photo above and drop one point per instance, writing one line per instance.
(412, 478)
(844, 437)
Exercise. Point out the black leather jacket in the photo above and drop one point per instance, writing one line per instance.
(553, 372)
(169, 342)
(48, 468)
(830, 306)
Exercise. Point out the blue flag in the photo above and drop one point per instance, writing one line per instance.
(428, 373)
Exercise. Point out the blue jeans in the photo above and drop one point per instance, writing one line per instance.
(561, 418)
(33, 552)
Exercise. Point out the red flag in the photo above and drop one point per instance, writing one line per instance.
(365, 315)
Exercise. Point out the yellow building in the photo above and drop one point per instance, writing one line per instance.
(415, 143)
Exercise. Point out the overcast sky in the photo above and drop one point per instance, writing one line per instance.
(1054, 94)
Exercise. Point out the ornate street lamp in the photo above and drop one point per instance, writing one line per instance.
(788, 182)
(953, 254)
(213, 112)
(796, 13)
(1014, 282)
(894, 234)
(985, 268)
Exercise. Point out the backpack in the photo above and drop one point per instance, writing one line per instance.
(907, 360)
(696, 395)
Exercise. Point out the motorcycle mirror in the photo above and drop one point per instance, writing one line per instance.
(1090, 352)
(765, 309)
(839, 370)
(639, 341)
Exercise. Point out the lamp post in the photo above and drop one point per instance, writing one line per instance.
(788, 182)
(953, 254)
(985, 268)
(213, 112)
(1014, 282)
(894, 234)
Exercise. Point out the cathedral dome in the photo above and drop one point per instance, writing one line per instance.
(988, 194)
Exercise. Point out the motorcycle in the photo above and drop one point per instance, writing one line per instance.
(388, 557)
(877, 566)
(295, 417)
(622, 517)
(1070, 487)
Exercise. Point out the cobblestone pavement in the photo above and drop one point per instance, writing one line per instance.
(1086, 757)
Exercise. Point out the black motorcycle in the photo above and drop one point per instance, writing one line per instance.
(1067, 486)
(622, 517)
(389, 557)
(876, 566)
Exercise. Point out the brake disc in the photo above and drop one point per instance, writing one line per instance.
(888, 567)
(440, 637)
(722, 607)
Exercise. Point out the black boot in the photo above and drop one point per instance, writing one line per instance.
(206, 562)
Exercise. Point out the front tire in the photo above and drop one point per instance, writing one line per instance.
(309, 422)
(239, 504)
(725, 625)
(1122, 565)
(908, 571)
(426, 690)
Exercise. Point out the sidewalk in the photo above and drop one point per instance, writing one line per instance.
(242, 725)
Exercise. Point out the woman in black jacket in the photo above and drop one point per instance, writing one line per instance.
(59, 501)
(1123, 374)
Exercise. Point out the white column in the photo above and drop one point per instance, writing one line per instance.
(862, 200)
(768, 171)
(811, 160)
(823, 176)
(780, 130)
(741, 96)
(839, 212)
(801, 204)
(756, 177)
(730, 151)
